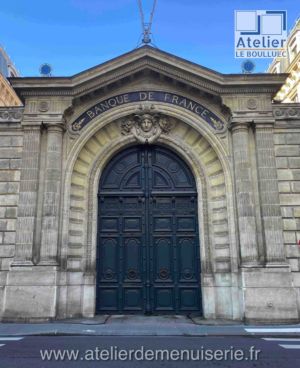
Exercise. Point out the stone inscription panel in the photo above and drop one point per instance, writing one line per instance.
(170, 98)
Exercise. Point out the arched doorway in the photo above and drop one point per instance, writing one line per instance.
(148, 257)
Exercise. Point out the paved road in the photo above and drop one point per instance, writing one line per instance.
(276, 352)
(137, 325)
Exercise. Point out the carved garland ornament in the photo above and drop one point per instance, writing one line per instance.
(146, 125)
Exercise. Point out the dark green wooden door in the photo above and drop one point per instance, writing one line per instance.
(148, 244)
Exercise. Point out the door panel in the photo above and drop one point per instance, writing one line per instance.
(148, 244)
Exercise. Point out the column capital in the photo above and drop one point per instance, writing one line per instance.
(32, 127)
(237, 124)
(54, 127)
(263, 122)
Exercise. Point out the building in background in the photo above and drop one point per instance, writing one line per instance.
(7, 68)
(8, 97)
(290, 90)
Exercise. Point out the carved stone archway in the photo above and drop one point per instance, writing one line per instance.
(205, 155)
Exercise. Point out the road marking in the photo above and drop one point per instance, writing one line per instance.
(264, 330)
(11, 338)
(290, 346)
(279, 339)
(2, 344)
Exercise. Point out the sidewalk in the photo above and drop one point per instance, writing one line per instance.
(129, 325)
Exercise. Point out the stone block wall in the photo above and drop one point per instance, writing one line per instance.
(10, 162)
(287, 151)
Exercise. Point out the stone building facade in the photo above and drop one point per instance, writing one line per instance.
(8, 96)
(290, 90)
(211, 140)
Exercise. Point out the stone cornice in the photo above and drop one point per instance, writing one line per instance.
(286, 111)
(11, 114)
(147, 58)
(258, 119)
(252, 116)
(43, 118)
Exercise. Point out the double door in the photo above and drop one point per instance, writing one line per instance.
(148, 243)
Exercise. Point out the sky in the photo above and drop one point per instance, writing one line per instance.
(74, 35)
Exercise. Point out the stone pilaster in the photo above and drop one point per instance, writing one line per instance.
(244, 194)
(27, 210)
(269, 195)
(51, 198)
